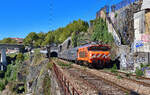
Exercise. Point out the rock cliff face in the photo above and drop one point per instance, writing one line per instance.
(35, 78)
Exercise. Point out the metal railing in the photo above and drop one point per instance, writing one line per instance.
(68, 88)
(122, 4)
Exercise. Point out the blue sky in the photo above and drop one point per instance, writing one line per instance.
(20, 17)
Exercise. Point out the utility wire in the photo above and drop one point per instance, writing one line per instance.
(51, 15)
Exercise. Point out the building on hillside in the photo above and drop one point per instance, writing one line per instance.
(142, 34)
(19, 40)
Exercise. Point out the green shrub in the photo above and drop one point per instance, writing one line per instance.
(114, 68)
(128, 75)
(20, 57)
(64, 65)
(2, 74)
(116, 15)
(26, 56)
(20, 89)
(139, 72)
(100, 32)
(49, 66)
(6, 81)
(119, 77)
(2, 85)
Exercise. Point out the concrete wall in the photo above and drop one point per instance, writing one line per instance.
(147, 22)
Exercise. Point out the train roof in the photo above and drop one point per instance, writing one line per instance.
(92, 44)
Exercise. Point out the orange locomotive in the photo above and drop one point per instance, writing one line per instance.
(96, 55)
(93, 54)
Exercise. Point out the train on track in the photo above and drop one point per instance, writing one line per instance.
(94, 55)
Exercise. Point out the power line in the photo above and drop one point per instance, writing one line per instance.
(51, 15)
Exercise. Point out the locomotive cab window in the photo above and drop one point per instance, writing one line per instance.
(82, 54)
(96, 48)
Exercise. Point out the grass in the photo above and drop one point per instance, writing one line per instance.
(139, 72)
(114, 69)
(119, 77)
(47, 85)
(64, 65)
(49, 66)
(26, 56)
(42, 70)
(38, 57)
(128, 75)
(2, 85)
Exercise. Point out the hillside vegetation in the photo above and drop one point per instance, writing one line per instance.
(8, 40)
(57, 36)
(79, 30)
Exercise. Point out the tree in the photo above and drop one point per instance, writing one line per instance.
(49, 39)
(39, 41)
(58, 36)
(101, 32)
(20, 57)
(31, 39)
(61, 34)
(74, 39)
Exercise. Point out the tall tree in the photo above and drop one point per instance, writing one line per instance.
(49, 39)
(31, 39)
(100, 32)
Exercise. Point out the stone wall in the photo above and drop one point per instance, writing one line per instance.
(124, 22)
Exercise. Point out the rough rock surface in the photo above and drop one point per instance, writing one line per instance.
(35, 77)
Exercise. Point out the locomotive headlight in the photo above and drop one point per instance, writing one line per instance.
(90, 55)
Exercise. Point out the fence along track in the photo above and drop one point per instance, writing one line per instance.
(67, 86)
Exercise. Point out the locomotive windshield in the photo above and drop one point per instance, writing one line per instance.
(97, 48)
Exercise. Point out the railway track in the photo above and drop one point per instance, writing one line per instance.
(139, 80)
(102, 86)
(98, 83)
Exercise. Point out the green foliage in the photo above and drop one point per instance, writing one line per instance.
(38, 57)
(31, 39)
(114, 69)
(8, 40)
(49, 38)
(20, 57)
(26, 56)
(119, 77)
(2, 85)
(101, 32)
(57, 36)
(139, 72)
(20, 89)
(64, 65)
(128, 75)
(61, 34)
(11, 73)
(74, 39)
(144, 65)
(116, 15)
(2, 74)
(49, 66)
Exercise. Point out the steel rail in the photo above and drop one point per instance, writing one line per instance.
(133, 80)
(107, 81)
